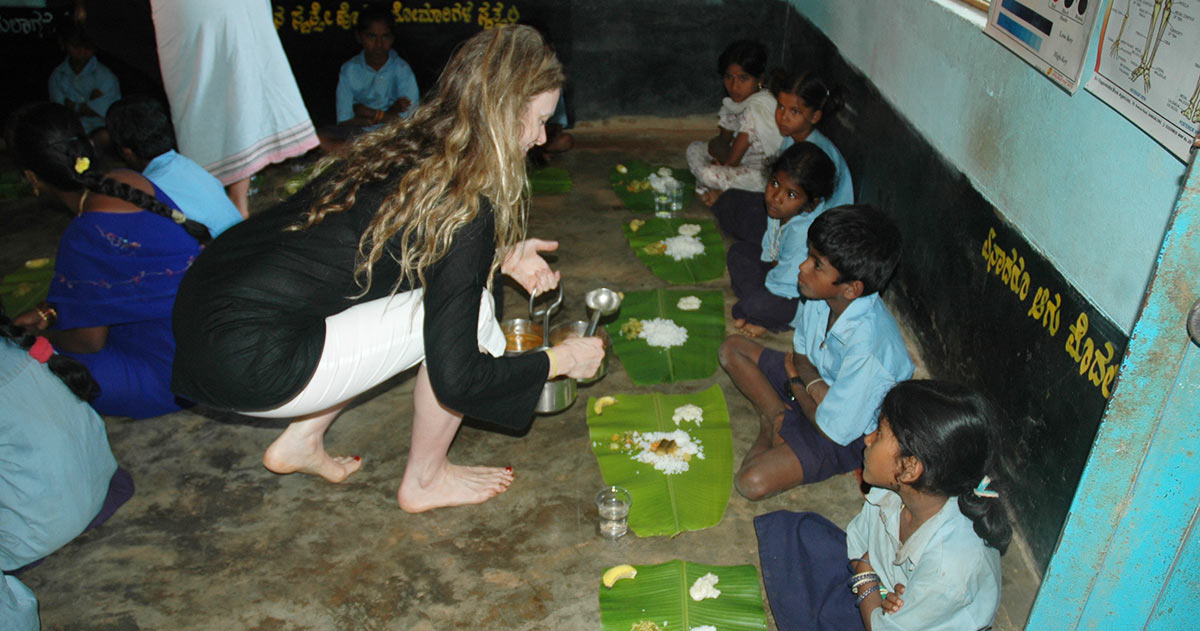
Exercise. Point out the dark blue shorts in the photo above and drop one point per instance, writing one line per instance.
(820, 457)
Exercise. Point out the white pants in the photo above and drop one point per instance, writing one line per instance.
(371, 342)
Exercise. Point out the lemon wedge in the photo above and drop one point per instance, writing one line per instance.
(36, 263)
(636, 224)
(622, 169)
(617, 573)
(601, 403)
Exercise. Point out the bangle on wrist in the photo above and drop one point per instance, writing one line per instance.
(867, 592)
(808, 386)
(553, 363)
(47, 314)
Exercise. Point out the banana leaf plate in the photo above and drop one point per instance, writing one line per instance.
(659, 594)
(666, 504)
(549, 180)
(25, 287)
(705, 266)
(695, 359)
(631, 186)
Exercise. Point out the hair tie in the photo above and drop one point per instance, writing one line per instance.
(983, 491)
(178, 217)
(82, 163)
(41, 350)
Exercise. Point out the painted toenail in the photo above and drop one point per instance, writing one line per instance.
(508, 469)
(358, 458)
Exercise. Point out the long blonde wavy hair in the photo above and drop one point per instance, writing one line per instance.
(461, 143)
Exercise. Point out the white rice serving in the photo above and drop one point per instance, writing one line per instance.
(672, 463)
(689, 229)
(688, 412)
(663, 333)
(688, 303)
(663, 184)
(705, 587)
(682, 247)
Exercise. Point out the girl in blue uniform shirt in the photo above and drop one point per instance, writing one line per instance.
(802, 101)
(925, 549)
(763, 275)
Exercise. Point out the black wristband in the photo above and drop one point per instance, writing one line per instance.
(794, 381)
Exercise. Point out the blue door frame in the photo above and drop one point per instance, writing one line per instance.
(1129, 554)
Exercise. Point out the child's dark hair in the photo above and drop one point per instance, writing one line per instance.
(142, 124)
(811, 89)
(71, 32)
(951, 429)
(374, 13)
(48, 139)
(747, 53)
(810, 169)
(861, 241)
(72, 371)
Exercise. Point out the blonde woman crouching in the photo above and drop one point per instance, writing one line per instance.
(383, 262)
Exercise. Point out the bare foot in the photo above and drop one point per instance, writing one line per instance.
(749, 330)
(291, 455)
(708, 198)
(453, 485)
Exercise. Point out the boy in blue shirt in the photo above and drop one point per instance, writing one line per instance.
(375, 85)
(816, 402)
(141, 132)
(81, 82)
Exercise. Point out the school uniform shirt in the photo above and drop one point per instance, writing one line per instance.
(861, 358)
(843, 189)
(65, 85)
(377, 89)
(198, 194)
(787, 243)
(951, 577)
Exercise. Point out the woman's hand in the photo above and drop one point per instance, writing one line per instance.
(524, 265)
(578, 357)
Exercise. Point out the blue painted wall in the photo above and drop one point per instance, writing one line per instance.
(1084, 186)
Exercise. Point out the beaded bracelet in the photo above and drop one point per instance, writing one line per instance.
(858, 580)
(865, 593)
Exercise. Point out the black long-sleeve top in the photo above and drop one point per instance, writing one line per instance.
(249, 317)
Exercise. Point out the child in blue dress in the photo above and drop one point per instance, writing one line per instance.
(817, 402)
(925, 549)
(376, 85)
(763, 274)
(802, 101)
(81, 82)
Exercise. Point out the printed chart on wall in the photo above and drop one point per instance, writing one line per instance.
(1148, 68)
(1051, 35)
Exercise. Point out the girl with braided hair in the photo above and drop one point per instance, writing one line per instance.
(118, 265)
(58, 477)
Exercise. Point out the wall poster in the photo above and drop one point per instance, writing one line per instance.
(1051, 35)
(1148, 68)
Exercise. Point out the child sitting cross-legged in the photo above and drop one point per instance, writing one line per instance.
(141, 132)
(376, 85)
(816, 402)
(763, 274)
(925, 549)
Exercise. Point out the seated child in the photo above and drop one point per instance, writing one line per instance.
(81, 82)
(763, 274)
(141, 132)
(376, 85)
(816, 403)
(747, 134)
(802, 101)
(925, 549)
(58, 477)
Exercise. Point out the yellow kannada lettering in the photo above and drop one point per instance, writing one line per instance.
(1046, 310)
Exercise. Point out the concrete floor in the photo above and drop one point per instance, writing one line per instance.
(212, 540)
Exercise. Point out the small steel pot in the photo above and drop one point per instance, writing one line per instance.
(558, 394)
(566, 330)
(521, 336)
